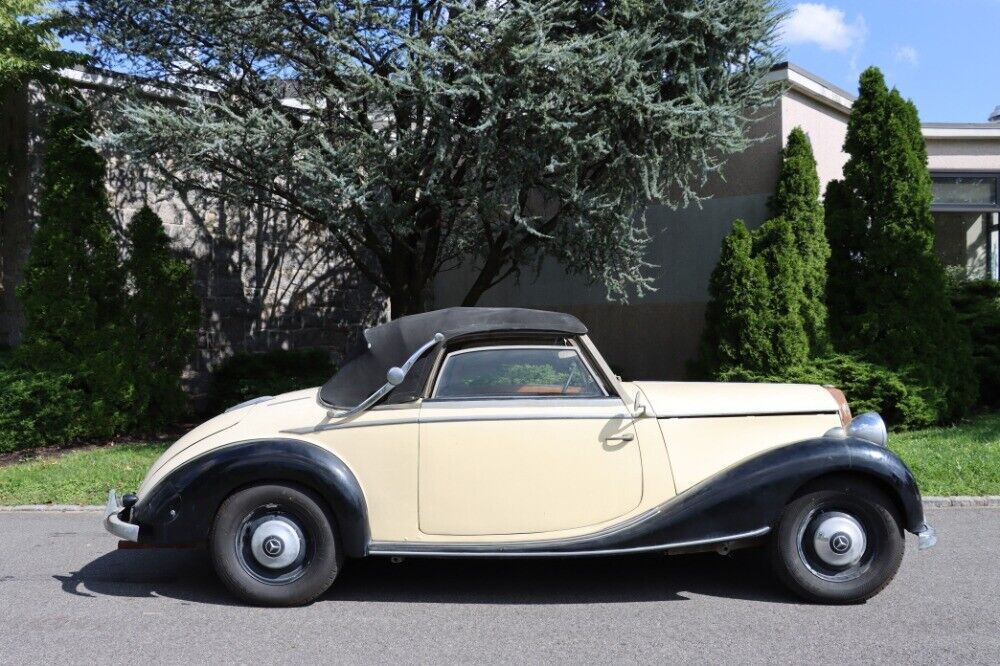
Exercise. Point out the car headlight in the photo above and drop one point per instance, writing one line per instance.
(870, 427)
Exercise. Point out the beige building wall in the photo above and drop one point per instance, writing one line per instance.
(826, 127)
(653, 337)
(971, 150)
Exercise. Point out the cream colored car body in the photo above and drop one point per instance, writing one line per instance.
(520, 470)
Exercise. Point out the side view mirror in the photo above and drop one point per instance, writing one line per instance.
(638, 406)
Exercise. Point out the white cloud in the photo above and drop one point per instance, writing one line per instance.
(824, 26)
(907, 54)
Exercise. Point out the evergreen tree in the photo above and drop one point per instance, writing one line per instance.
(776, 244)
(163, 312)
(736, 322)
(446, 132)
(73, 289)
(797, 199)
(888, 291)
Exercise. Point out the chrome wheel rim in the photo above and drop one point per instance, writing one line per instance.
(834, 545)
(272, 545)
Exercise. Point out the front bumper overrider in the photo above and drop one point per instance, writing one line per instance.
(926, 537)
(113, 521)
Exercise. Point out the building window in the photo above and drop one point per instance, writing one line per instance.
(965, 190)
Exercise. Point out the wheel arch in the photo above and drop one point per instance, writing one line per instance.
(182, 507)
(866, 462)
(845, 478)
(753, 493)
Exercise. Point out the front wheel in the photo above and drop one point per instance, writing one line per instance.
(274, 545)
(839, 543)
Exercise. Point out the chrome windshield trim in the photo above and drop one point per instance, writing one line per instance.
(455, 550)
(394, 377)
(549, 402)
(485, 348)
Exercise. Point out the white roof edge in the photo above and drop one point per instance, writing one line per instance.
(959, 132)
(812, 88)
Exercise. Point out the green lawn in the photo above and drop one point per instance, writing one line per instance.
(78, 477)
(959, 460)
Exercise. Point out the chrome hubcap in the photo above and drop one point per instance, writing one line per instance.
(839, 540)
(275, 543)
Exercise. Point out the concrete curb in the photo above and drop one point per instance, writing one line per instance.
(52, 508)
(962, 501)
(958, 501)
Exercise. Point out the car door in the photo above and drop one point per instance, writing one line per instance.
(523, 439)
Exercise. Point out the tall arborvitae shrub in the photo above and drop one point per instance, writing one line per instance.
(736, 321)
(163, 313)
(776, 244)
(797, 199)
(73, 289)
(888, 295)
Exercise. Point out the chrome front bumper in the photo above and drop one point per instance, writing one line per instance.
(926, 537)
(113, 522)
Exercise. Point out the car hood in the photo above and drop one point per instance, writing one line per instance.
(680, 399)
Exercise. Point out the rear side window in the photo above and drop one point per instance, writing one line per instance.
(516, 372)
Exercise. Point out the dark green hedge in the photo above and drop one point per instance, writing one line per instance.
(977, 303)
(43, 408)
(247, 376)
(902, 402)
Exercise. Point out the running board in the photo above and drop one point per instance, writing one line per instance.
(522, 549)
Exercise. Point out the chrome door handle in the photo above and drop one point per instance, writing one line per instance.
(624, 437)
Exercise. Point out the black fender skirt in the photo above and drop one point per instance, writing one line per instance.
(181, 508)
(740, 502)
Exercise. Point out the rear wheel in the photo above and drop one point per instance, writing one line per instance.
(841, 542)
(274, 545)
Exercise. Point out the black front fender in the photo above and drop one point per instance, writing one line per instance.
(752, 493)
(181, 508)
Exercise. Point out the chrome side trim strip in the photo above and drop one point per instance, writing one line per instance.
(511, 402)
(743, 415)
(406, 549)
(459, 419)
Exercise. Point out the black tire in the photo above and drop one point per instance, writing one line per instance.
(797, 559)
(289, 520)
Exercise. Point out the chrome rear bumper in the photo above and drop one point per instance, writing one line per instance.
(113, 522)
(926, 537)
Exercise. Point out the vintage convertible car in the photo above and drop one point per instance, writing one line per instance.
(501, 432)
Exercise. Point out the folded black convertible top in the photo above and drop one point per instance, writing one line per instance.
(391, 344)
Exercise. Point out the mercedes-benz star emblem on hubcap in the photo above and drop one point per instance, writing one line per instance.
(840, 543)
(272, 546)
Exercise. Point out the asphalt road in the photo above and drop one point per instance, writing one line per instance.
(67, 597)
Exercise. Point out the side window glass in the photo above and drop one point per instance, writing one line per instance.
(516, 372)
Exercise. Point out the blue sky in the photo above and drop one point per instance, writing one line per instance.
(942, 54)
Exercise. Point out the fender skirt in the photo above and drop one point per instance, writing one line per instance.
(181, 508)
(742, 501)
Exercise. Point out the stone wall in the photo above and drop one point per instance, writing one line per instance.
(266, 281)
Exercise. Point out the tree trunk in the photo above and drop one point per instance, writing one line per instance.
(17, 208)
(407, 299)
(490, 273)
